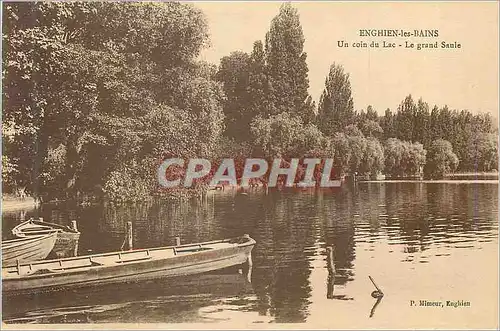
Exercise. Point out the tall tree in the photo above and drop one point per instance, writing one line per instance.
(405, 119)
(371, 114)
(258, 83)
(336, 108)
(421, 123)
(287, 69)
(435, 130)
(234, 71)
(387, 124)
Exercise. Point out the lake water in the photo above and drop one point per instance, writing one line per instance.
(418, 241)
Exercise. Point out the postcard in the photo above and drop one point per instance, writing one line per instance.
(250, 165)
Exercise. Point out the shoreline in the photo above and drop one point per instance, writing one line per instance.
(491, 173)
(13, 204)
(10, 204)
(435, 181)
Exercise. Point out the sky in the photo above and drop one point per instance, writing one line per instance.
(465, 78)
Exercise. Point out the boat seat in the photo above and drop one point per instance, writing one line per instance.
(190, 249)
(41, 272)
(60, 268)
(134, 259)
(77, 263)
(45, 271)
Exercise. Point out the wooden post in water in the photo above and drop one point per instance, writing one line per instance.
(375, 306)
(75, 250)
(75, 227)
(330, 262)
(130, 236)
(249, 267)
(177, 241)
(330, 265)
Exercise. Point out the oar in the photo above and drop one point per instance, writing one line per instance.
(378, 293)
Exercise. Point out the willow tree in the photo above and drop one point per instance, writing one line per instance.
(440, 159)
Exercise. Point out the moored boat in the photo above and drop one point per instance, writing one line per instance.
(33, 248)
(124, 266)
(67, 237)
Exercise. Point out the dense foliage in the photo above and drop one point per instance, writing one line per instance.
(336, 107)
(265, 109)
(96, 93)
(441, 159)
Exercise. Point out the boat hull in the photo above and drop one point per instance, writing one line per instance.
(66, 244)
(67, 239)
(109, 270)
(27, 249)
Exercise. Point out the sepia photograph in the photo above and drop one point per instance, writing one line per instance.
(250, 165)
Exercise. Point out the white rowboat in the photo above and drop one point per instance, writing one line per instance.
(27, 249)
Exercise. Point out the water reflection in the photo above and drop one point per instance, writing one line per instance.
(306, 242)
(377, 302)
(160, 301)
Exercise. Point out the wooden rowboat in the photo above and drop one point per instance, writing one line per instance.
(67, 238)
(33, 227)
(27, 249)
(124, 266)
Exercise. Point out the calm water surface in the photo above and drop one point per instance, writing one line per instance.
(419, 241)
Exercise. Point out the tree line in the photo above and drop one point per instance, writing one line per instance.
(268, 108)
(96, 94)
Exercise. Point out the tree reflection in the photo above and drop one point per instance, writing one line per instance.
(337, 214)
(294, 228)
(281, 279)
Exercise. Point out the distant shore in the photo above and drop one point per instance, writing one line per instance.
(9, 204)
(459, 177)
(472, 174)
(435, 181)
